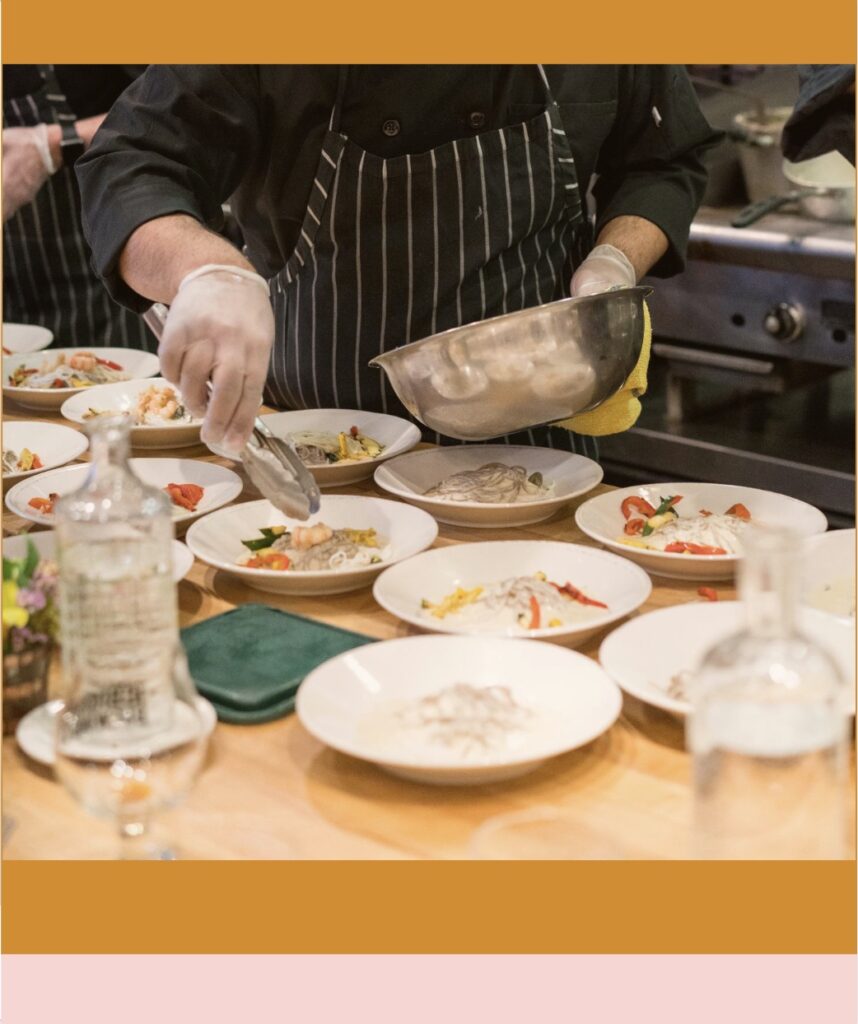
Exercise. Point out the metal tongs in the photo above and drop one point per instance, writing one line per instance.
(272, 463)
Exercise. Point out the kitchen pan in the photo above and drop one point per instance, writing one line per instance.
(824, 189)
(522, 369)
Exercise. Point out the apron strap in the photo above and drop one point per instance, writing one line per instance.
(336, 112)
(55, 95)
(544, 77)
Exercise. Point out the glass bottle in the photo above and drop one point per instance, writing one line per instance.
(129, 736)
(768, 728)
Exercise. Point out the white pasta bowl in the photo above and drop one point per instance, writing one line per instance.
(135, 364)
(601, 519)
(354, 703)
(410, 476)
(829, 576)
(623, 587)
(394, 433)
(21, 338)
(122, 398)
(54, 444)
(644, 655)
(220, 486)
(45, 544)
(402, 532)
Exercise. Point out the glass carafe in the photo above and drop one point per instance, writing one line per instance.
(768, 729)
(129, 737)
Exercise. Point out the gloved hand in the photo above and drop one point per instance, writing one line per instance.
(604, 269)
(27, 165)
(220, 328)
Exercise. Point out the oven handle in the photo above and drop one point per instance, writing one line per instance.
(705, 357)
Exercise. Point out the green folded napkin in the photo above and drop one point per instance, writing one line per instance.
(249, 662)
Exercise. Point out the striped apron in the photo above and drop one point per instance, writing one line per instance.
(393, 250)
(47, 278)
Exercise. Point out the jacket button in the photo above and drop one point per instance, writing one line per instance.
(477, 119)
(390, 127)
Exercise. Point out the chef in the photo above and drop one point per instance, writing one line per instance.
(379, 204)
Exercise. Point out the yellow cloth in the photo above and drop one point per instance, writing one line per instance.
(620, 411)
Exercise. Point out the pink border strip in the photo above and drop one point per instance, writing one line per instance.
(412, 989)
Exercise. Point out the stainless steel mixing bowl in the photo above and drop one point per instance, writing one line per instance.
(521, 369)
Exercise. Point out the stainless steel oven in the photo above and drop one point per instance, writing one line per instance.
(752, 375)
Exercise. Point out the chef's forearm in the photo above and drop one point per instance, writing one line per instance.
(642, 242)
(159, 253)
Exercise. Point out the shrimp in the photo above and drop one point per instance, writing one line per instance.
(84, 361)
(305, 537)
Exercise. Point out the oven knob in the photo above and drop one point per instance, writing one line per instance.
(784, 321)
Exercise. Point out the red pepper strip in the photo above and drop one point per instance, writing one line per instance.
(705, 512)
(108, 364)
(6, 351)
(709, 593)
(37, 462)
(534, 613)
(675, 500)
(354, 431)
(684, 547)
(578, 595)
(635, 504)
(634, 526)
(58, 382)
(739, 510)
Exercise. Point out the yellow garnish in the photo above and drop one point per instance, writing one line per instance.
(366, 537)
(554, 622)
(452, 602)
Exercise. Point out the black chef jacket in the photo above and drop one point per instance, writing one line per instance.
(89, 88)
(183, 139)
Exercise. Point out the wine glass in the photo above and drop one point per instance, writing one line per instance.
(126, 751)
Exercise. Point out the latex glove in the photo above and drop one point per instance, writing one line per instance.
(604, 269)
(27, 165)
(220, 328)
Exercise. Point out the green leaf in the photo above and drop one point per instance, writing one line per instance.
(31, 562)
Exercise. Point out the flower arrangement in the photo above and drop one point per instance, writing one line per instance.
(30, 617)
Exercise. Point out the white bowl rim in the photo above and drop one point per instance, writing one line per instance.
(554, 751)
(134, 384)
(604, 618)
(556, 499)
(17, 358)
(619, 546)
(311, 574)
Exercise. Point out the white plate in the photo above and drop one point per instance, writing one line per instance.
(643, 655)
(135, 364)
(16, 547)
(35, 732)
(221, 486)
(397, 436)
(21, 338)
(54, 444)
(216, 539)
(122, 397)
(829, 573)
(601, 519)
(350, 702)
(410, 476)
(432, 575)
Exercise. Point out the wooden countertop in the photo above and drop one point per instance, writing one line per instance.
(272, 791)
